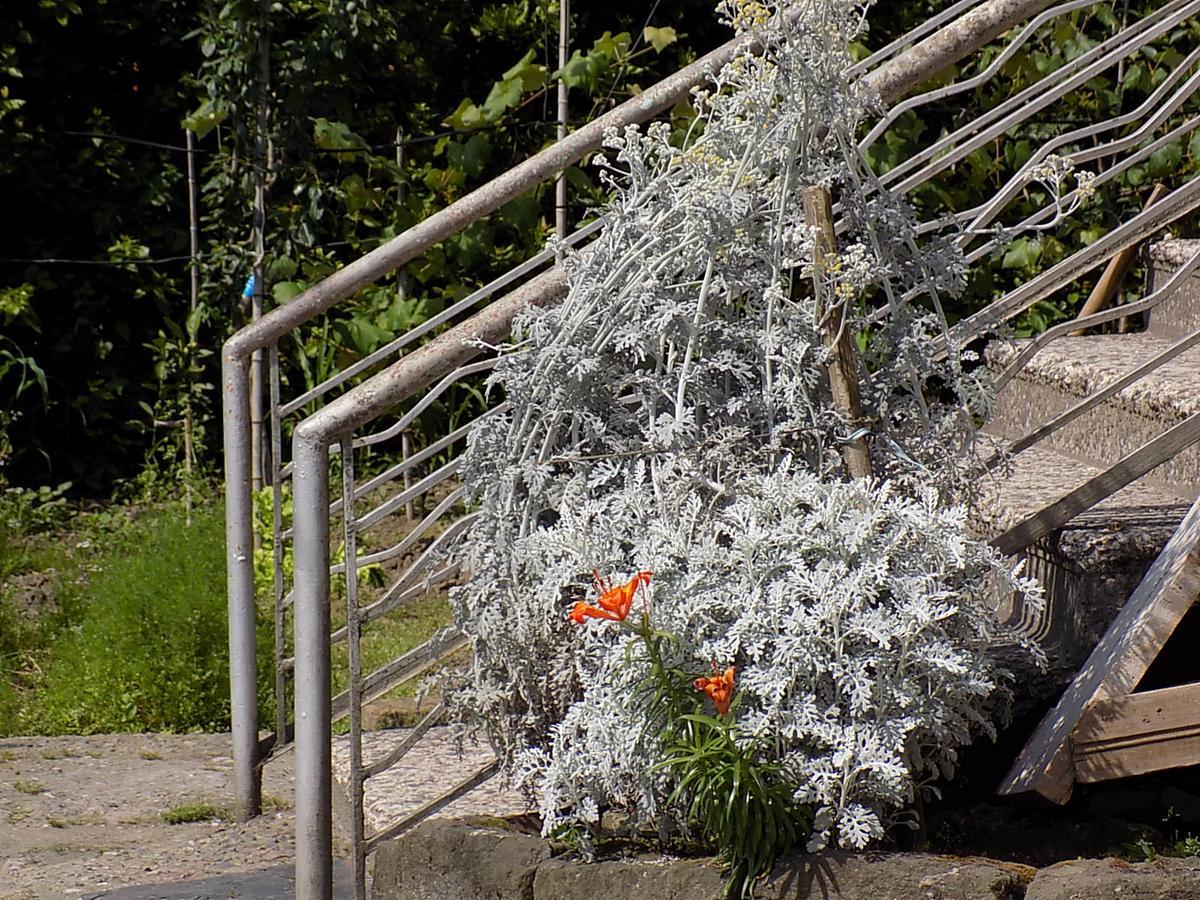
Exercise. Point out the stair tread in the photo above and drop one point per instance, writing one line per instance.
(1088, 566)
(1174, 251)
(433, 766)
(1082, 365)
(1041, 476)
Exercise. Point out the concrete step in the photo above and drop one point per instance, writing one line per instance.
(1090, 566)
(1179, 313)
(1071, 368)
(432, 767)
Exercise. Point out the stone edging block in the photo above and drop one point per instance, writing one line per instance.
(1115, 879)
(480, 859)
(453, 859)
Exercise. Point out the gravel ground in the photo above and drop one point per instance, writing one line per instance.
(81, 816)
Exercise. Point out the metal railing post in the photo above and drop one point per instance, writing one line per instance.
(239, 550)
(314, 776)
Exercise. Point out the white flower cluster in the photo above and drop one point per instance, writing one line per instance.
(673, 414)
(1054, 174)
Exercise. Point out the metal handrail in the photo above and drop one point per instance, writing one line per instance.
(433, 322)
(1106, 175)
(1146, 304)
(948, 150)
(927, 27)
(986, 213)
(331, 429)
(1179, 203)
(975, 81)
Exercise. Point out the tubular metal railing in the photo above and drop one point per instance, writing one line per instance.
(347, 416)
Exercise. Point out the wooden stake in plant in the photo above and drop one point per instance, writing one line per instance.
(1114, 273)
(843, 365)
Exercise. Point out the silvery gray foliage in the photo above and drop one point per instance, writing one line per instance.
(673, 414)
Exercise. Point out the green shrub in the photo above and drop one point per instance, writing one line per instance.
(148, 651)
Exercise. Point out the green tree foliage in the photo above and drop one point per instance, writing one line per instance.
(469, 86)
(67, 77)
(117, 342)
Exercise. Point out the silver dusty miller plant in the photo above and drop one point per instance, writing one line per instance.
(673, 414)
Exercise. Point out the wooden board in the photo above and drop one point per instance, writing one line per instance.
(1114, 668)
(1138, 733)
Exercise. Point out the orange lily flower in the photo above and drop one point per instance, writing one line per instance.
(719, 688)
(614, 603)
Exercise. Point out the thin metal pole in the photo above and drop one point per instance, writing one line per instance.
(194, 266)
(239, 549)
(564, 110)
(401, 196)
(277, 554)
(402, 294)
(314, 789)
(350, 534)
(193, 219)
(405, 453)
(261, 158)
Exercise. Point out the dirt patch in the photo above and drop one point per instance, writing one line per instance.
(82, 815)
(33, 594)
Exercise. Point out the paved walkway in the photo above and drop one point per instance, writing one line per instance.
(84, 816)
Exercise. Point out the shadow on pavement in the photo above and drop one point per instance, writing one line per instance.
(268, 884)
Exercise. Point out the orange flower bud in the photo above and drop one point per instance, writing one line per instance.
(719, 688)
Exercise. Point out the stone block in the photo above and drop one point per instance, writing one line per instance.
(456, 859)
(1179, 313)
(640, 879)
(1115, 879)
(895, 876)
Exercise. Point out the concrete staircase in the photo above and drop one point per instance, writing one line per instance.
(1091, 565)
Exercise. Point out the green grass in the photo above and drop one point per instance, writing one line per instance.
(142, 642)
(14, 640)
(186, 813)
(17, 635)
(390, 637)
(137, 641)
(394, 635)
